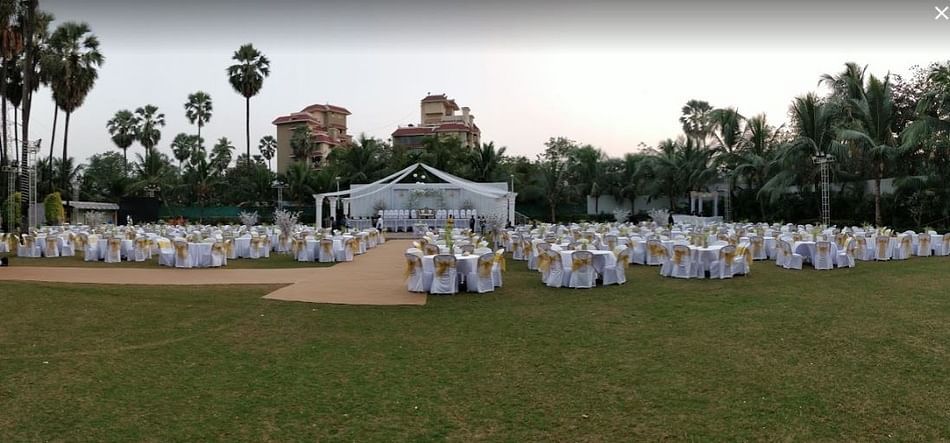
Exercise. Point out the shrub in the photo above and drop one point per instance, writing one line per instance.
(53, 206)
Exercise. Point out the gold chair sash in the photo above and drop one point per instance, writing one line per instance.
(114, 245)
(882, 243)
(502, 263)
(746, 253)
(484, 268)
(678, 255)
(544, 262)
(578, 263)
(181, 250)
(354, 245)
(218, 248)
(327, 247)
(729, 257)
(442, 267)
(410, 268)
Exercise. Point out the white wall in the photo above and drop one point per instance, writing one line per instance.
(607, 203)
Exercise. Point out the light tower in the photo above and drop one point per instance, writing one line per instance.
(823, 160)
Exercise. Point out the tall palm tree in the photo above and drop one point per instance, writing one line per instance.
(221, 154)
(484, 161)
(586, 167)
(696, 120)
(122, 129)
(182, 146)
(11, 46)
(268, 147)
(757, 155)
(29, 25)
(302, 145)
(148, 129)
(247, 77)
(727, 134)
(198, 109)
(874, 114)
(75, 59)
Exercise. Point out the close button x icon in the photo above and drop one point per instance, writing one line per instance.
(942, 13)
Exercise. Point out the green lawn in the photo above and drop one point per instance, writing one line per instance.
(846, 355)
(275, 261)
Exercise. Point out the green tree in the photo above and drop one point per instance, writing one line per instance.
(221, 155)
(268, 147)
(696, 121)
(484, 162)
(358, 162)
(553, 165)
(183, 145)
(198, 109)
(247, 77)
(302, 146)
(73, 67)
(105, 178)
(53, 208)
(148, 127)
(122, 128)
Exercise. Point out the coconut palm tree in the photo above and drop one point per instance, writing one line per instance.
(74, 61)
(198, 109)
(11, 46)
(122, 129)
(148, 129)
(268, 147)
(585, 163)
(247, 77)
(757, 155)
(727, 136)
(358, 162)
(484, 161)
(873, 111)
(221, 154)
(302, 145)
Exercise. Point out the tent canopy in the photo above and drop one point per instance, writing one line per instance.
(365, 200)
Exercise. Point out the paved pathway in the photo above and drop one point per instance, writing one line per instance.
(374, 278)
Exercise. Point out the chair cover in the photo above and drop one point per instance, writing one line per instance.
(480, 280)
(793, 260)
(498, 267)
(656, 253)
(219, 254)
(326, 251)
(681, 264)
(182, 255)
(824, 258)
(51, 246)
(616, 274)
(882, 248)
(415, 278)
(113, 252)
(444, 275)
(166, 252)
(724, 266)
(905, 247)
(528, 251)
(924, 248)
(846, 255)
(582, 270)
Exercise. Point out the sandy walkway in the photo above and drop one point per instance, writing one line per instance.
(374, 278)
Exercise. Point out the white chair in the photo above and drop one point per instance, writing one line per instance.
(583, 275)
(499, 267)
(905, 247)
(824, 257)
(182, 254)
(845, 258)
(350, 248)
(638, 253)
(941, 244)
(444, 275)
(758, 248)
(113, 252)
(556, 274)
(517, 248)
(724, 266)
(254, 252)
(792, 260)
(882, 248)
(616, 274)
(300, 249)
(67, 245)
(480, 279)
(415, 277)
(680, 265)
(924, 248)
(51, 246)
(861, 250)
(528, 251)
(219, 254)
(142, 251)
(326, 251)
(28, 247)
(166, 253)
(656, 254)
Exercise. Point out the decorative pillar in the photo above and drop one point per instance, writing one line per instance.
(512, 196)
(332, 201)
(319, 208)
(716, 204)
(346, 207)
(692, 203)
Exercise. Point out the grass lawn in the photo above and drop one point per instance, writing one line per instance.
(858, 354)
(275, 261)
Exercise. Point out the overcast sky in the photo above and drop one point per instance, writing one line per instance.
(609, 73)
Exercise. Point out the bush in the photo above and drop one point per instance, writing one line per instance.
(53, 206)
(12, 210)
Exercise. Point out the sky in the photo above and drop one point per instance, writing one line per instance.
(605, 72)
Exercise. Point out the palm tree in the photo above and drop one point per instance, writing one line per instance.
(441, 152)
(75, 59)
(302, 145)
(874, 114)
(484, 161)
(757, 155)
(358, 162)
(585, 167)
(247, 78)
(221, 154)
(183, 145)
(268, 147)
(29, 24)
(147, 131)
(11, 45)
(727, 135)
(198, 109)
(696, 120)
(122, 129)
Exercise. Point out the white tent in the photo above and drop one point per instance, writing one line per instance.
(364, 200)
